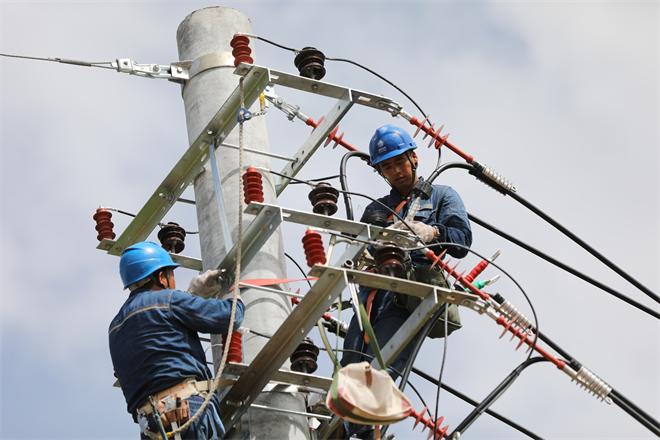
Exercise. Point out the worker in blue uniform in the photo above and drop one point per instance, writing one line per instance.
(155, 348)
(441, 219)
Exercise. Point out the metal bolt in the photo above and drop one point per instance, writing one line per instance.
(327, 224)
(255, 74)
(393, 286)
(268, 213)
(306, 382)
(125, 63)
(156, 68)
(179, 69)
(315, 87)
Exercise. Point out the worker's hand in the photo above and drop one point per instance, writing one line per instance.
(204, 285)
(425, 232)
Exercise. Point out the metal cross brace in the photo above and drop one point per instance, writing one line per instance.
(189, 165)
(346, 98)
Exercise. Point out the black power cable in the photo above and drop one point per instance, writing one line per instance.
(494, 395)
(563, 266)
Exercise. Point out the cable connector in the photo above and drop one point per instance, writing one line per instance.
(175, 72)
(592, 383)
(491, 177)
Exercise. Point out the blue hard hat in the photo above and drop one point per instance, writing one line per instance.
(141, 260)
(389, 141)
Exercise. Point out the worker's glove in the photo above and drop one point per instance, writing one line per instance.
(425, 232)
(204, 285)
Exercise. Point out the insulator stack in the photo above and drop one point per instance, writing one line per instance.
(427, 423)
(104, 225)
(313, 246)
(253, 187)
(235, 346)
(303, 359)
(389, 259)
(324, 199)
(309, 63)
(242, 51)
(437, 139)
(172, 237)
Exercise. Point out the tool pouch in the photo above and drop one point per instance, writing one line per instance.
(179, 415)
(422, 274)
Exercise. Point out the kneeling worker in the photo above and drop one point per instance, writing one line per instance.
(154, 344)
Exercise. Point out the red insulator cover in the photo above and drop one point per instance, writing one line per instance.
(242, 51)
(476, 271)
(235, 346)
(104, 225)
(313, 246)
(253, 188)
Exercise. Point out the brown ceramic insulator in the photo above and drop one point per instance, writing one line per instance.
(235, 346)
(324, 199)
(242, 51)
(313, 246)
(104, 225)
(252, 186)
(389, 259)
(303, 359)
(171, 237)
(309, 63)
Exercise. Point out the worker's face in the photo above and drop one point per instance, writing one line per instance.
(399, 172)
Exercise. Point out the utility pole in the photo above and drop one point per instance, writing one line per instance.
(205, 35)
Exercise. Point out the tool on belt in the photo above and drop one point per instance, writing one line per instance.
(170, 404)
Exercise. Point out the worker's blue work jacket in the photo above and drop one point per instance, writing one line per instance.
(444, 211)
(154, 344)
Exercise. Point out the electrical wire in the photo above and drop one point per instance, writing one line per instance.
(298, 266)
(563, 266)
(471, 169)
(64, 61)
(344, 60)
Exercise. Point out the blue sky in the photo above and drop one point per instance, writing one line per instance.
(562, 98)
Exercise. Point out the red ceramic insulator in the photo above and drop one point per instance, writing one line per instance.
(313, 246)
(235, 346)
(242, 51)
(104, 225)
(254, 190)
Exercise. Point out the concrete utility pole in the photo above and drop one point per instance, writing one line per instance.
(207, 33)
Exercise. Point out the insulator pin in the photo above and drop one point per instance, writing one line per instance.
(235, 346)
(104, 225)
(253, 187)
(324, 199)
(313, 246)
(172, 237)
(242, 51)
(389, 259)
(303, 359)
(309, 63)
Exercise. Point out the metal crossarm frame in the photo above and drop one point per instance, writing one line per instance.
(254, 237)
(189, 165)
(332, 281)
(187, 262)
(278, 349)
(346, 98)
(288, 377)
(313, 142)
(335, 224)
